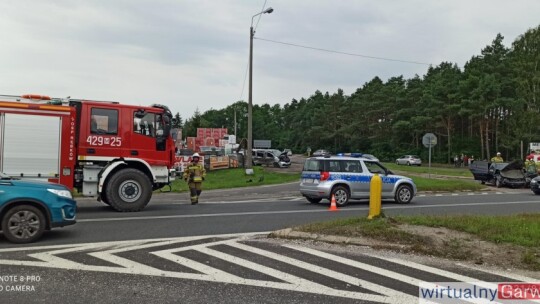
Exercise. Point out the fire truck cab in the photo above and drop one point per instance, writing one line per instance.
(117, 153)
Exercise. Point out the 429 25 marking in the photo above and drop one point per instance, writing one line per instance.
(104, 141)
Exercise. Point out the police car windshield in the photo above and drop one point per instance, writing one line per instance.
(375, 167)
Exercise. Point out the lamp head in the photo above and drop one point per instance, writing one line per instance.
(268, 10)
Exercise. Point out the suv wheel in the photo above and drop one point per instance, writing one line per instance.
(341, 194)
(313, 200)
(404, 194)
(408, 163)
(23, 224)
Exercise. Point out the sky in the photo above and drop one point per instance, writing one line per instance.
(193, 54)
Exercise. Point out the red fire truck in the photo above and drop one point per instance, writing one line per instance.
(117, 153)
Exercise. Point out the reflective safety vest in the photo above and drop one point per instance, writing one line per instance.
(194, 172)
(497, 159)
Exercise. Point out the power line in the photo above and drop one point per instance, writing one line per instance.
(343, 53)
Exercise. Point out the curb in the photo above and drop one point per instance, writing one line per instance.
(289, 233)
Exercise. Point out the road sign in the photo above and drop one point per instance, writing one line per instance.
(262, 143)
(429, 140)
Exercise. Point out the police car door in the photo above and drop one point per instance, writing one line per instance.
(358, 182)
(387, 182)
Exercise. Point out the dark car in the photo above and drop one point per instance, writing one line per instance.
(29, 208)
(500, 174)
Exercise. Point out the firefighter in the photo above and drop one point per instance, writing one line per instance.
(530, 165)
(497, 159)
(194, 175)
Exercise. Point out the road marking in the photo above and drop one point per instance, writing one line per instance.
(348, 209)
(378, 270)
(394, 294)
(289, 281)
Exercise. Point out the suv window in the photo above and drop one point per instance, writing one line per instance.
(352, 166)
(313, 165)
(334, 166)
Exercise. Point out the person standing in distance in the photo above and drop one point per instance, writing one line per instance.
(497, 159)
(194, 175)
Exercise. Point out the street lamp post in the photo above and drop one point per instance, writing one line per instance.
(249, 162)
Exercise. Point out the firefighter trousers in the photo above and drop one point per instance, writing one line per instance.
(195, 190)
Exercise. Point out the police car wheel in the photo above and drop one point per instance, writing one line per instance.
(342, 195)
(313, 200)
(537, 192)
(404, 194)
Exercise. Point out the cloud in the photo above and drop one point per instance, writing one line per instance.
(193, 53)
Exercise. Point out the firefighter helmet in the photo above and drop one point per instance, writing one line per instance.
(196, 155)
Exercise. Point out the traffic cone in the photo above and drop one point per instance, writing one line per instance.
(333, 206)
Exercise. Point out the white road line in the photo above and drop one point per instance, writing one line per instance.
(435, 271)
(442, 272)
(293, 283)
(394, 294)
(135, 242)
(299, 283)
(381, 271)
(296, 211)
(360, 265)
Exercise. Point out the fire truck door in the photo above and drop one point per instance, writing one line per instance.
(145, 139)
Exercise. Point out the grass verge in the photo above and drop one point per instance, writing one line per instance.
(436, 169)
(450, 185)
(235, 178)
(512, 240)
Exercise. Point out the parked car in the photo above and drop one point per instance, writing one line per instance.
(499, 174)
(321, 152)
(349, 178)
(28, 208)
(409, 160)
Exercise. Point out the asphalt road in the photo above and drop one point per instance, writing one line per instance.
(258, 209)
(140, 257)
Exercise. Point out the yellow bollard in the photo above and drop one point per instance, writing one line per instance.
(375, 192)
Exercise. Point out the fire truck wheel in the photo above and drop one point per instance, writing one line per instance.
(104, 199)
(129, 190)
(23, 224)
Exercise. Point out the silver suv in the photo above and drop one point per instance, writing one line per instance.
(349, 178)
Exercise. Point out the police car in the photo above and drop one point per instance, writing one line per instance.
(348, 177)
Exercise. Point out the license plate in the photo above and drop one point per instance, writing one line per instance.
(308, 180)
